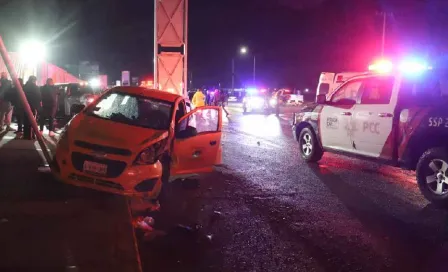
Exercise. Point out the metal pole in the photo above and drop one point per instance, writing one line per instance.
(383, 42)
(185, 92)
(233, 74)
(29, 113)
(254, 70)
(155, 60)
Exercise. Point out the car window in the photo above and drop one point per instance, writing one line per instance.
(133, 110)
(377, 90)
(203, 120)
(348, 92)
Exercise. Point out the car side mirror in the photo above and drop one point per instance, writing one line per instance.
(321, 99)
(187, 133)
(77, 108)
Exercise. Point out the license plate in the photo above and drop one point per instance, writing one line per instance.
(95, 168)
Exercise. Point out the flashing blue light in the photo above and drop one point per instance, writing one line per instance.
(414, 67)
(252, 90)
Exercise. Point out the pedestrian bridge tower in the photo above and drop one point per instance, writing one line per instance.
(170, 45)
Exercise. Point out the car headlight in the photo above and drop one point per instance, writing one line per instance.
(151, 154)
(273, 102)
(257, 102)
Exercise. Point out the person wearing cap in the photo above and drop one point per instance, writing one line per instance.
(5, 104)
(33, 96)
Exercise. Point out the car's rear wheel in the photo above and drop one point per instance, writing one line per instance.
(432, 175)
(310, 149)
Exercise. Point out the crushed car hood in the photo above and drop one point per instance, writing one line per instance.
(109, 133)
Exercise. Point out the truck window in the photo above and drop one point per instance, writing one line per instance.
(348, 92)
(324, 88)
(377, 90)
(424, 90)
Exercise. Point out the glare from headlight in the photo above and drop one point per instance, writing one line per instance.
(273, 102)
(257, 102)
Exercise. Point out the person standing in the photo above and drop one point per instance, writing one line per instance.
(33, 96)
(220, 99)
(49, 94)
(5, 105)
(198, 99)
(12, 95)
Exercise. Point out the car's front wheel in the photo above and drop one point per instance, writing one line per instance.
(310, 149)
(432, 175)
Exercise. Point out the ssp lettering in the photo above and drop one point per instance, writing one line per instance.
(438, 122)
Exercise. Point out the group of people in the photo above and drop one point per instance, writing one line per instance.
(43, 102)
(217, 98)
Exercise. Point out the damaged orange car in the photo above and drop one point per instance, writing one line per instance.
(132, 139)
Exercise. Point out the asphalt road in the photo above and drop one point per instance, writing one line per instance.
(262, 210)
(266, 210)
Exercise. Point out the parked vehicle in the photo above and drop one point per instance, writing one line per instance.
(398, 118)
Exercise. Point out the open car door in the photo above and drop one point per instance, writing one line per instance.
(197, 144)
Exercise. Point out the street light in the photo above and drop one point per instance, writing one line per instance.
(243, 51)
(33, 52)
(95, 82)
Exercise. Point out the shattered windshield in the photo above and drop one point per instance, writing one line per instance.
(133, 110)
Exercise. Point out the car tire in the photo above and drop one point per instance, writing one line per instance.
(432, 176)
(310, 150)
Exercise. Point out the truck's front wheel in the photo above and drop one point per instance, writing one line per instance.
(310, 149)
(432, 175)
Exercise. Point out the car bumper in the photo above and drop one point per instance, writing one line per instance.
(124, 184)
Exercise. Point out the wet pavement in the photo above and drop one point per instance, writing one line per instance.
(264, 209)
(49, 226)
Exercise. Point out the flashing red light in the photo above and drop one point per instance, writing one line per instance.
(381, 66)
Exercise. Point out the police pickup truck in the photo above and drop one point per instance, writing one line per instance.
(399, 119)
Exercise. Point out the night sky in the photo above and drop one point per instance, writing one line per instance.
(293, 40)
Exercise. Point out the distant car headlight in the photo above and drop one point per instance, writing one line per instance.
(273, 102)
(257, 102)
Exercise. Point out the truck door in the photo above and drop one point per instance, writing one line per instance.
(374, 117)
(336, 124)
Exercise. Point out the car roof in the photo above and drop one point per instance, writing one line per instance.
(142, 91)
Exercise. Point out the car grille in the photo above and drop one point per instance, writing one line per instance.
(102, 148)
(114, 168)
(95, 181)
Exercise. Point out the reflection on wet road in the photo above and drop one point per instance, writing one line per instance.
(280, 214)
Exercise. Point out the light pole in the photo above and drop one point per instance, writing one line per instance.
(243, 51)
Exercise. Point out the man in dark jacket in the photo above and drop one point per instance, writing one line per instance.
(12, 95)
(5, 105)
(33, 96)
(49, 94)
